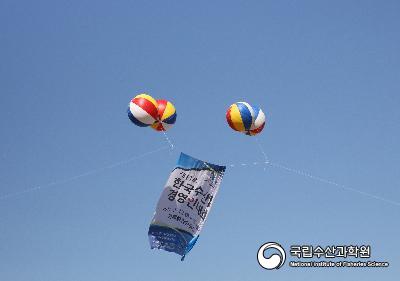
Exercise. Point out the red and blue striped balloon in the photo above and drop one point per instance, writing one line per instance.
(143, 110)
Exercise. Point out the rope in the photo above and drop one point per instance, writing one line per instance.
(85, 174)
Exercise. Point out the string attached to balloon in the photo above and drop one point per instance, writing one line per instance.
(84, 174)
(314, 177)
(263, 153)
(171, 144)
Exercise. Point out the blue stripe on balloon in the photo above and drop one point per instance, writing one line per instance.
(134, 120)
(170, 120)
(245, 114)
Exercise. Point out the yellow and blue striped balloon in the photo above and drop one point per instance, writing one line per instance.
(166, 116)
(243, 117)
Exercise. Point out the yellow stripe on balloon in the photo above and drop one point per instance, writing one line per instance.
(168, 111)
(149, 98)
(236, 118)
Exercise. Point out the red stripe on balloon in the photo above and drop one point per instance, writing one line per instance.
(258, 130)
(147, 106)
(162, 105)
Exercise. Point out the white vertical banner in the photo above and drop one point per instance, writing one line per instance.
(184, 205)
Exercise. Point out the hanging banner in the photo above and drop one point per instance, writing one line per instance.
(184, 205)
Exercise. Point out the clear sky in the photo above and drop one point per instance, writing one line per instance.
(326, 73)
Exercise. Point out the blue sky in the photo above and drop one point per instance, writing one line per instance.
(326, 73)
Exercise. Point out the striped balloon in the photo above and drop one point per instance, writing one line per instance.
(243, 117)
(166, 116)
(142, 110)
